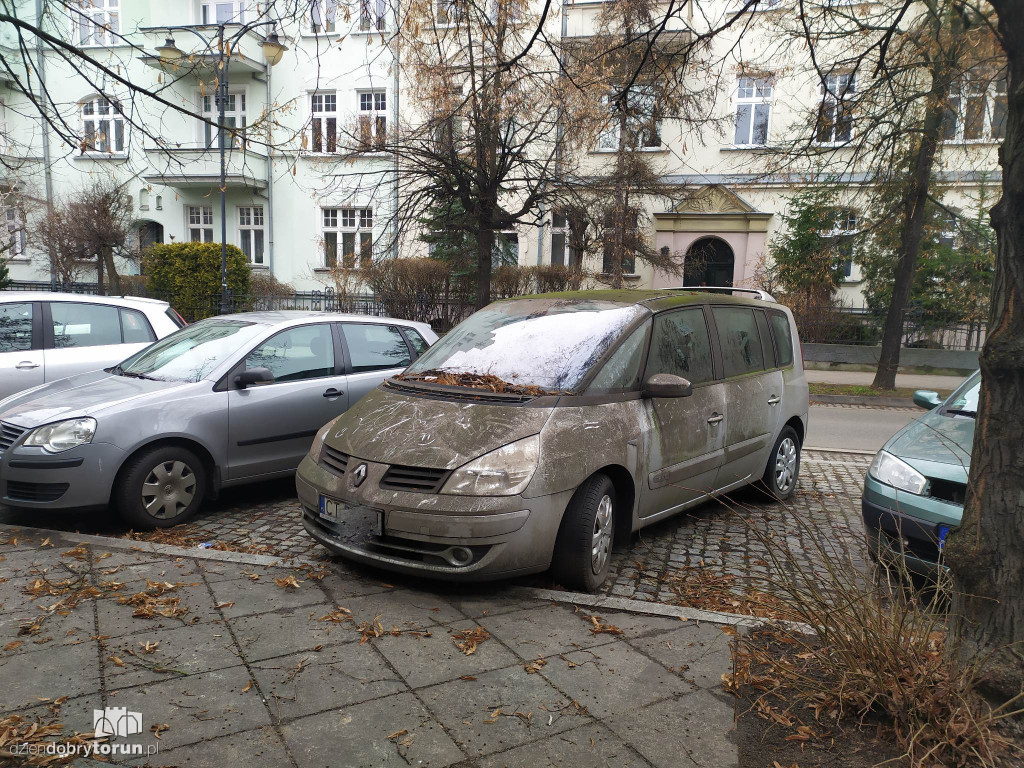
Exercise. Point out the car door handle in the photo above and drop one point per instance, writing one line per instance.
(715, 418)
(774, 400)
(26, 365)
(332, 393)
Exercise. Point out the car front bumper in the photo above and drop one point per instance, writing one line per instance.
(31, 478)
(442, 536)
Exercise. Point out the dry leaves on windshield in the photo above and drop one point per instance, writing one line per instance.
(484, 381)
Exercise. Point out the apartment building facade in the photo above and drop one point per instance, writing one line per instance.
(299, 201)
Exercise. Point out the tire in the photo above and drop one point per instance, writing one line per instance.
(583, 548)
(178, 478)
(783, 470)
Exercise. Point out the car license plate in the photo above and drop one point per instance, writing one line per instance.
(332, 509)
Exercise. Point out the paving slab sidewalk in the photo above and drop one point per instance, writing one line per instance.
(903, 380)
(245, 663)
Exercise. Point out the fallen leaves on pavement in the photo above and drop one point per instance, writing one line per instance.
(599, 626)
(286, 582)
(467, 640)
(152, 602)
(158, 728)
(534, 667)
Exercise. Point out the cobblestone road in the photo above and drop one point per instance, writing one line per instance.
(691, 559)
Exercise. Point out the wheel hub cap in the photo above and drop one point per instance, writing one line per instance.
(785, 465)
(601, 544)
(169, 489)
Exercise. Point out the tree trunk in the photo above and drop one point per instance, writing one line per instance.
(101, 284)
(914, 207)
(484, 254)
(986, 553)
(112, 276)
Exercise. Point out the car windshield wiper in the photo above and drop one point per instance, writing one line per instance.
(962, 412)
(134, 375)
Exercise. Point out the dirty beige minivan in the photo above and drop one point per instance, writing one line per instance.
(543, 429)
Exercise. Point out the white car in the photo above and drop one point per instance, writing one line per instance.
(48, 336)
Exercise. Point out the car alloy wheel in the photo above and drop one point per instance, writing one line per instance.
(169, 489)
(785, 465)
(601, 545)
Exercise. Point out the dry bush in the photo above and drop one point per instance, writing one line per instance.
(862, 645)
(265, 292)
(555, 277)
(511, 280)
(825, 321)
(418, 289)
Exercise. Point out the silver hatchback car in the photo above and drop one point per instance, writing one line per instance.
(222, 402)
(47, 336)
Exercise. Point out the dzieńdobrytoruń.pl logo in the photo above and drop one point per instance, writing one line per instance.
(108, 725)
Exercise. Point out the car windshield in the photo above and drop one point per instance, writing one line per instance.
(192, 352)
(526, 346)
(965, 400)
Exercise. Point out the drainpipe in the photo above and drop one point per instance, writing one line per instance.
(270, 179)
(47, 173)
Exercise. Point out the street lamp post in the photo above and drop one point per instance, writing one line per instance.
(273, 50)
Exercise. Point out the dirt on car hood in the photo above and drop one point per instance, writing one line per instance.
(393, 427)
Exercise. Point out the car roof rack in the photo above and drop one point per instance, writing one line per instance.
(762, 295)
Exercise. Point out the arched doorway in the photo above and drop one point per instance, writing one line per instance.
(150, 233)
(709, 261)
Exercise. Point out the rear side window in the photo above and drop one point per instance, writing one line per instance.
(84, 325)
(177, 319)
(417, 341)
(783, 338)
(375, 347)
(15, 327)
(741, 343)
(136, 327)
(622, 370)
(681, 346)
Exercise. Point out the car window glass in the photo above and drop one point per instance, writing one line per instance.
(193, 352)
(15, 327)
(741, 343)
(681, 346)
(622, 370)
(306, 352)
(135, 327)
(417, 341)
(84, 325)
(965, 400)
(373, 347)
(783, 339)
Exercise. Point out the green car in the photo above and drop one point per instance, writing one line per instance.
(915, 488)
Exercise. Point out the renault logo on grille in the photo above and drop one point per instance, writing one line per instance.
(359, 475)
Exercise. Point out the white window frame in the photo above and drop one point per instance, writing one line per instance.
(321, 17)
(251, 220)
(341, 226)
(15, 234)
(752, 92)
(948, 235)
(847, 222)
(561, 230)
(208, 134)
(323, 108)
(97, 23)
(199, 223)
(208, 11)
(608, 139)
(447, 13)
(500, 236)
(373, 15)
(95, 111)
(992, 91)
(372, 119)
(837, 88)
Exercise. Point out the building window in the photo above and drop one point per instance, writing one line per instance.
(643, 122)
(159, 202)
(372, 15)
(976, 110)
(505, 250)
(950, 223)
(608, 236)
(250, 232)
(352, 230)
(323, 16)
(373, 121)
(562, 251)
(753, 110)
(16, 245)
(324, 122)
(98, 22)
(234, 118)
(841, 236)
(449, 12)
(835, 116)
(233, 12)
(200, 223)
(102, 127)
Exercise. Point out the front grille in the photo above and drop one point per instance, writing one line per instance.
(418, 479)
(9, 433)
(947, 490)
(335, 461)
(21, 491)
(911, 545)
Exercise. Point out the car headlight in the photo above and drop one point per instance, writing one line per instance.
(62, 435)
(502, 472)
(318, 442)
(887, 469)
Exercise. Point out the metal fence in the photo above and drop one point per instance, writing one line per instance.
(831, 325)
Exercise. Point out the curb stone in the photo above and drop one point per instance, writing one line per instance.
(871, 401)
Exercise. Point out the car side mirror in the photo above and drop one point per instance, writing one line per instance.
(667, 385)
(251, 376)
(927, 399)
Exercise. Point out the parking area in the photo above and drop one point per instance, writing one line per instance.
(690, 559)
